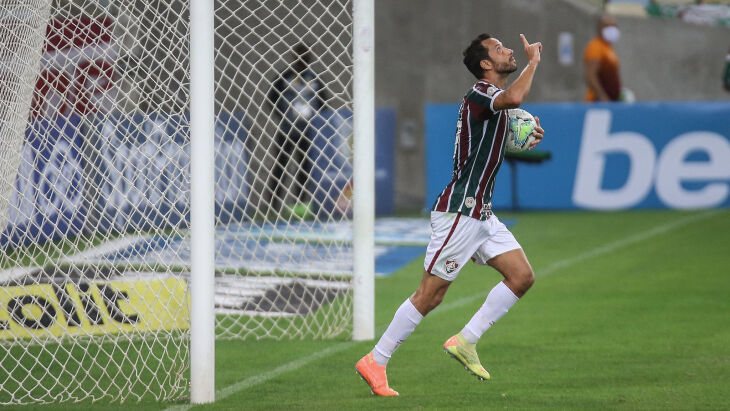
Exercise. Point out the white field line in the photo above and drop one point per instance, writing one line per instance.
(638, 237)
(118, 244)
(260, 378)
(604, 249)
(16, 273)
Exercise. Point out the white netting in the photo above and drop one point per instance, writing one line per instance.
(95, 188)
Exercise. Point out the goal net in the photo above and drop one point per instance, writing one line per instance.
(95, 188)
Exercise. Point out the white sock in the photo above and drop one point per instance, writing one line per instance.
(498, 302)
(405, 320)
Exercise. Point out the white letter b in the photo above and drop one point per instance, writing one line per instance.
(596, 143)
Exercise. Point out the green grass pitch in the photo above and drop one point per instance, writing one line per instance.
(630, 310)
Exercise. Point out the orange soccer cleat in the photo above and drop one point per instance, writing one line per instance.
(374, 375)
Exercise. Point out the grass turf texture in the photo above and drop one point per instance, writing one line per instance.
(642, 324)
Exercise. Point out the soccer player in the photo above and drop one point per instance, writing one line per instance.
(297, 95)
(463, 226)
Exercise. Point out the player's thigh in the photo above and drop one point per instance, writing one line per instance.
(454, 239)
(502, 251)
(499, 241)
(513, 265)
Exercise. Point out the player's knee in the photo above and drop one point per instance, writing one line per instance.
(521, 280)
(526, 278)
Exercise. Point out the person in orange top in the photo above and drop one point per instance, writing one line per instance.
(602, 76)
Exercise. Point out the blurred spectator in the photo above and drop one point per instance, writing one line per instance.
(297, 95)
(701, 12)
(603, 80)
(726, 72)
(655, 9)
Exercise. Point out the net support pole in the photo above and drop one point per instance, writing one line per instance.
(363, 170)
(202, 217)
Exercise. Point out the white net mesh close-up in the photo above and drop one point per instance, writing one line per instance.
(95, 188)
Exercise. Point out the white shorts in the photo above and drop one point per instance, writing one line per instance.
(456, 238)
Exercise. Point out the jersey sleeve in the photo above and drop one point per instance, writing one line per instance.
(481, 100)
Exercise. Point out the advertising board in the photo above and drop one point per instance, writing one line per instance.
(607, 156)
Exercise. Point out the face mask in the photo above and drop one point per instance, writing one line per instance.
(610, 34)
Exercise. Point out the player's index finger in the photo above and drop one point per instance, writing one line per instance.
(524, 40)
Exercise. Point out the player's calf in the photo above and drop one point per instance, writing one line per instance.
(430, 293)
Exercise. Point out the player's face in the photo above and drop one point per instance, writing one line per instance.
(502, 58)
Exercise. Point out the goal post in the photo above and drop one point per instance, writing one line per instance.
(176, 172)
(364, 169)
(202, 207)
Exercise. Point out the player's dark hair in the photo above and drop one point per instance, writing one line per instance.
(475, 53)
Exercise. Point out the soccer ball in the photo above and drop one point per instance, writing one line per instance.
(520, 131)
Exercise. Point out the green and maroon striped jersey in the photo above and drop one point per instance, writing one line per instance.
(478, 153)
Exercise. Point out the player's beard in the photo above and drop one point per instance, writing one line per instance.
(506, 68)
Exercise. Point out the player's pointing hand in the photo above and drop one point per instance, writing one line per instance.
(532, 50)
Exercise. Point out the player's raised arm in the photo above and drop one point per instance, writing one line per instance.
(513, 95)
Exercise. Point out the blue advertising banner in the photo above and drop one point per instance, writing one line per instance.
(331, 155)
(137, 173)
(607, 156)
(50, 178)
(385, 123)
(142, 170)
(136, 178)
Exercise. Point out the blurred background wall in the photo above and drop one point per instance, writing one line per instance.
(418, 61)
